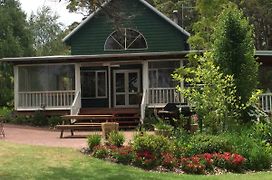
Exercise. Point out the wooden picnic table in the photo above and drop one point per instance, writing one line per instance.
(81, 122)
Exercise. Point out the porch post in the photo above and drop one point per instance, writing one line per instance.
(16, 87)
(109, 85)
(77, 80)
(182, 82)
(145, 79)
(145, 75)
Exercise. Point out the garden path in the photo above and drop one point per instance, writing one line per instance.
(48, 137)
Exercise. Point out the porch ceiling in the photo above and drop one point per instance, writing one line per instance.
(97, 58)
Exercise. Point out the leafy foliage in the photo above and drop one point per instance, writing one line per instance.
(47, 33)
(93, 140)
(210, 92)
(153, 144)
(15, 41)
(202, 143)
(234, 51)
(116, 138)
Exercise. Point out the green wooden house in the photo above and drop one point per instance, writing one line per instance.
(123, 62)
(122, 57)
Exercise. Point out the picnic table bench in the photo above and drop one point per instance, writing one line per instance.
(81, 122)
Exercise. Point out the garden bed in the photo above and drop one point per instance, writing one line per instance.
(199, 154)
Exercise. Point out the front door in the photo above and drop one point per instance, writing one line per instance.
(126, 88)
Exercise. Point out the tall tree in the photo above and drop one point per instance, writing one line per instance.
(15, 40)
(234, 51)
(260, 15)
(47, 32)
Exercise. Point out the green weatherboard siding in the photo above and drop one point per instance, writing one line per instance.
(160, 35)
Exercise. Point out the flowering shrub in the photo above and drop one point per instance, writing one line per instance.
(198, 164)
(123, 154)
(229, 161)
(145, 159)
(192, 165)
(100, 152)
(168, 160)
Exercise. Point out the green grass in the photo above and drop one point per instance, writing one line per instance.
(35, 162)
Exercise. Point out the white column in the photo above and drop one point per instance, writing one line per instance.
(16, 87)
(145, 88)
(109, 85)
(145, 75)
(77, 80)
(182, 82)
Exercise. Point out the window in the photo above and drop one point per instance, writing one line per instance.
(125, 39)
(46, 78)
(94, 84)
(160, 74)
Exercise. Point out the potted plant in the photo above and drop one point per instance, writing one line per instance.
(161, 128)
(194, 123)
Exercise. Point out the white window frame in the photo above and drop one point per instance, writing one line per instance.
(96, 84)
(126, 48)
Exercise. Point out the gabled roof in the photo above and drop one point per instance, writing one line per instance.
(143, 2)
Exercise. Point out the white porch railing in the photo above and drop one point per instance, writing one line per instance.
(163, 96)
(143, 105)
(45, 99)
(76, 105)
(266, 102)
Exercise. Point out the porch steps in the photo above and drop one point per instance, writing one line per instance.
(128, 118)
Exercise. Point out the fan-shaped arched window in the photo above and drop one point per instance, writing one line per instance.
(125, 39)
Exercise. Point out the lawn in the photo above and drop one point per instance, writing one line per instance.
(36, 162)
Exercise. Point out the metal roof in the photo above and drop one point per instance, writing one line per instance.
(97, 58)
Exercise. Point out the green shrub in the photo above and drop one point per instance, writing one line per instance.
(257, 153)
(152, 143)
(93, 140)
(149, 119)
(4, 111)
(20, 119)
(54, 120)
(39, 119)
(100, 152)
(203, 143)
(262, 131)
(116, 138)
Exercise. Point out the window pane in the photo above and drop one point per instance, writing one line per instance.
(120, 99)
(120, 82)
(139, 43)
(46, 78)
(112, 44)
(160, 73)
(165, 78)
(153, 78)
(119, 36)
(133, 82)
(134, 99)
(88, 84)
(131, 36)
(101, 83)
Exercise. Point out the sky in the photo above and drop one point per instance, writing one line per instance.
(66, 18)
